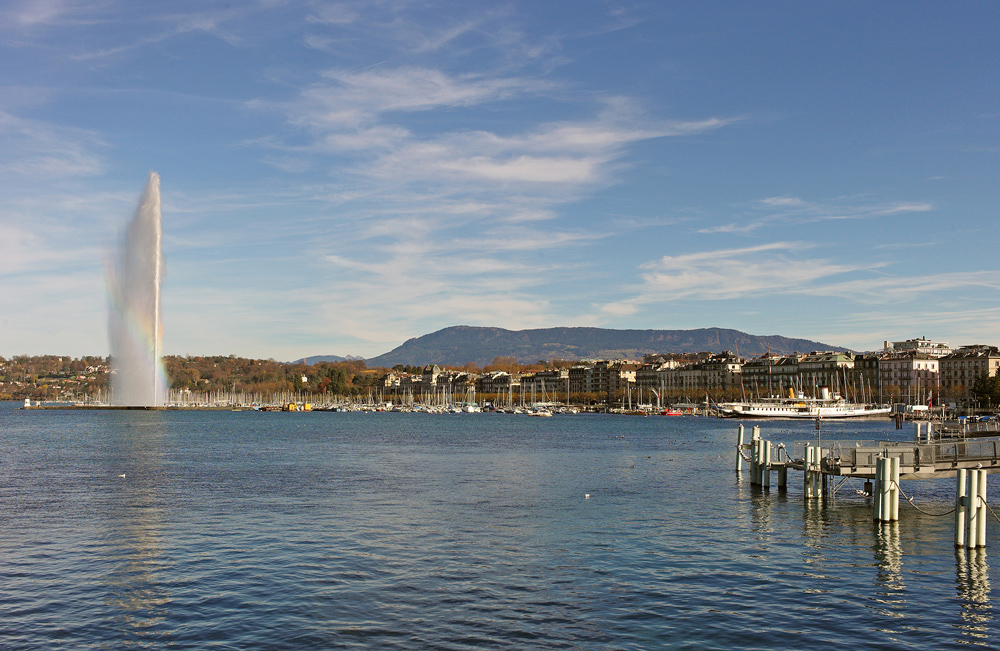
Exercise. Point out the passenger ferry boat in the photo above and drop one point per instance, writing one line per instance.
(799, 406)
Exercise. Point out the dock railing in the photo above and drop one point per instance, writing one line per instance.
(859, 456)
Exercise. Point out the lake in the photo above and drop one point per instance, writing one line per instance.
(246, 530)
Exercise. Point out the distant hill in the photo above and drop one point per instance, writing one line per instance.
(315, 359)
(459, 345)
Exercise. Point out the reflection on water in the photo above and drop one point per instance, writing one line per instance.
(256, 531)
(890, 589)
(136, 598)
(972, 580)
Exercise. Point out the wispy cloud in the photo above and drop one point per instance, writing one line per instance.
(783, 269)
(36, 149)
(781, 211)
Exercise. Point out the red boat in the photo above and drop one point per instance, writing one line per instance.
(670, 412)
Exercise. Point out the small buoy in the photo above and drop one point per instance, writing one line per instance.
(122, 475)
(586, 496)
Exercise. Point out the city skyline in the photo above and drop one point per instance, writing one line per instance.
(340, 177)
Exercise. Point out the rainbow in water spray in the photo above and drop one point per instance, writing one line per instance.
(135, 329)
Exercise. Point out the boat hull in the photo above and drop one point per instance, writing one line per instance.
(778, 411)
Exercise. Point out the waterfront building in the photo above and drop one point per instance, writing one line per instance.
(865, 378)
(960, 369)
(498, 382)
(655, 375)
(612, 376)
(581, 379)
(547, 384)
(920, 346)
(827, 369)
(722, 371)
(771, 375)
(910, 375)
(429, 379)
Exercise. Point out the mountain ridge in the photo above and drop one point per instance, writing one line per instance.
(460, 345)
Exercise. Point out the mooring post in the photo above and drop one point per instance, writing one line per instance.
(765, 467)
(930, 432)
(761, 451)
(783, 476)
(961, 507)
(878, 504)
(754, 445)
(894, 493)
(818, 472)
(880, 480)
(916, 431)
(739, 450)
(972, 519)
(807, 473)
(981, 527)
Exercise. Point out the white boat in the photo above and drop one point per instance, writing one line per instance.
(799, 406)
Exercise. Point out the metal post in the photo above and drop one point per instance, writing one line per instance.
(761, 445)
(818, 472)
(972, 521)
(894, 493)
(877, 502)
(765, 467)
(739, 450)
(981, 528)
(961, 506)
(807, 473)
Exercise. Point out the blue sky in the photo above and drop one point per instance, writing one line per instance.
(339, 177)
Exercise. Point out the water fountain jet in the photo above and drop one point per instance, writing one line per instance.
(134, 326)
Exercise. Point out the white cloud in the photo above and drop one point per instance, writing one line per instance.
(783, 269)
(333, 13)
(782, 211)
(351, 99)
(39, 150)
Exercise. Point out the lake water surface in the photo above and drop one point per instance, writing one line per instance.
(245, 530)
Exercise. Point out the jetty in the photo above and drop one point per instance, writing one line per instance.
(825, 466)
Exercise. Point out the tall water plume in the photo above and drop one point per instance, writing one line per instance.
(134, 326)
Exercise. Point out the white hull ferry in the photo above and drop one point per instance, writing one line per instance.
(799, 406)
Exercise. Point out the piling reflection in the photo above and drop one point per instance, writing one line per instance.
(972, 581)
(888, 561)
(136, 598)
(762, 512)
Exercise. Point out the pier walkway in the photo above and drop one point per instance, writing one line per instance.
(883, 464)
(916, 460)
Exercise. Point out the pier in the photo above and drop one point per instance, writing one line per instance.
(883, 465)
